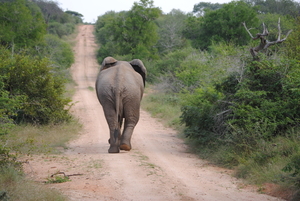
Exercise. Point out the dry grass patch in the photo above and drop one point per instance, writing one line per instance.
(29, 139)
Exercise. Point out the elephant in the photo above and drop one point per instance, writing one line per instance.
(120, 87)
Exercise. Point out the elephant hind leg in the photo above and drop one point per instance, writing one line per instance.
(113, 149)
(125, 147)
(114, 142)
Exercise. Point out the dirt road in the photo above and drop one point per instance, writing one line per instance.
(157, 168)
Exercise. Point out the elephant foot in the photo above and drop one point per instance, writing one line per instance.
(125, 147)
(113, 149)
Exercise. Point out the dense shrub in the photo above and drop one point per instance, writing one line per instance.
(223, 24)
(33, 80)
(250, 120)
(261, 105)
(60, 29)
(268, 98)
(199, 114)
(58, 51)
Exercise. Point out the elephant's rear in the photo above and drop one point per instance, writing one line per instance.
(120, 89)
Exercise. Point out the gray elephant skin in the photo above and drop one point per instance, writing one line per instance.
(120, 87)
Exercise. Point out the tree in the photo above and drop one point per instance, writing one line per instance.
(170, 31)
(135, 30)
(283, 7)
(58, 51)
(104, 29)
(192, 30)
(200, 8)
(20, 24)
(224, 24)
(74, 13)
(293, 44)
(30, 90)
(50, 10)
(264, 43)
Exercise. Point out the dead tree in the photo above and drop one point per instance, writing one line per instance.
(264, 43)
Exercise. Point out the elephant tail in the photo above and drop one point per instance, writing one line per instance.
(119, 115)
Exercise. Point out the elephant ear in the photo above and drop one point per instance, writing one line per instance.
(139, 67)
(108, 62)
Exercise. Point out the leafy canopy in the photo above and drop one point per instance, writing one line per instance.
(224, 24)
(21, 24)
(31, 81)
(134, 32)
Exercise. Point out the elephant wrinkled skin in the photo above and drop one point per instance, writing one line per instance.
(120, 87)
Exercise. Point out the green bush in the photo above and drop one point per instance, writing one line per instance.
(7, 107)
(60, 29)
(293, 167)
(268, 98)
(59, 51)
(41, 92)
(264, 104)
(198, 114)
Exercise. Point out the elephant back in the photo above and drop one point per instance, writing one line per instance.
(136, 64)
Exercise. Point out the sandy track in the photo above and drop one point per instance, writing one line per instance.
(157, 168)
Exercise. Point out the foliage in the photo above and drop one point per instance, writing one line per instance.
(8, 159)
(282, 7)
(170, 27)
(165, 106)
(50, 10)
(293, 43)
(246, 121)
(103, 27)
(192, 30)
(189, 68)
(58, 51)
(53, 13)
(169, 63)
(263, 101)
(294, 167)
(74, 13)
(267, 98)
(132, 33)
(58, 22)
(41, 91)
(271, 20)
(7, 106)
(200, 8)
(105, 35)
(198, 114)
(137, 33)
(60, 30)
(224, 24)
(21, 24)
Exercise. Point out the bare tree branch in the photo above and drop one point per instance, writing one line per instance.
(264, 43)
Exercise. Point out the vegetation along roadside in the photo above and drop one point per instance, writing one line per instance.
(35, 56)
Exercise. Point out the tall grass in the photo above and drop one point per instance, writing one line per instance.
(49, 139)
(164, 106)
